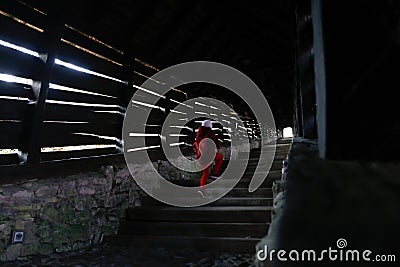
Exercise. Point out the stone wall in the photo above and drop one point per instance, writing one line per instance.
(271, 240)
(64, 213)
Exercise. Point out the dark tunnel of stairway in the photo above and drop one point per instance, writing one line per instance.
(70, 72)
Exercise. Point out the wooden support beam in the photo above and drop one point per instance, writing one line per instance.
(52, 37)
(355, 79)
(305, 91)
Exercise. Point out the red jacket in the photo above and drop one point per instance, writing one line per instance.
(204, 132)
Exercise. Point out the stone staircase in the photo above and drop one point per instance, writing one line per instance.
(234, 223)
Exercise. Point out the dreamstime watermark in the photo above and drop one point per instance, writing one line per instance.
(330, 254)
(158, 86)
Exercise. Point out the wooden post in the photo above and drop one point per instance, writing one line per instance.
(305, 92)
(52, 37)
(320, 82)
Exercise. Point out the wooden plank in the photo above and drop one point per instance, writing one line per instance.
(101, 128)
(176, 95)
(51, 156)
(76, 79)
(22, 173)
(23, 12)
(187, 150)
(153, 129)
(14, 89)
(151, 141)
(126, 96)
(75, 37)
(162, 103)
(89, 61)
(81, 97)
(10, 134)
(68, 139)
(55, 134)
(21, 35)
(154, 154)
(156, 116)
(143, 70)
(138, 80)
(187, 139)
(9, 159)
(185, 131)
(59, 112)
(19, 64)
(14, 109)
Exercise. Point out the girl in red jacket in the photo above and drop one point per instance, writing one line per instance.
(205, 131)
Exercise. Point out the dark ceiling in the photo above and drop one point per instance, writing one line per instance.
(256, 37)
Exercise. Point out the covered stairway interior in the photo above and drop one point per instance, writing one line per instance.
(68, 71)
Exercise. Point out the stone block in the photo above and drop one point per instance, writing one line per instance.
(12, 252)
(46, 191)
(124, 186)
(134, 194)
(43, 230)
(100, 181)
(45, 249)
(19, 225)
(49, 213)
(69, 185)
(31, 207)
(121, 174)
(30, 248)
(26, 216)
(5, 231)
(69, 193)
(66, 213)
(22, 194)
(111, 202)
(83, 182)
(86, 191)
(109, 229)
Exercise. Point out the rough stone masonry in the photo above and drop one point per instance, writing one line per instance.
(64, 213)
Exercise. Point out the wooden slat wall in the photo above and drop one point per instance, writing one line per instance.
(16, 98)
(90, 116)
(82, 109)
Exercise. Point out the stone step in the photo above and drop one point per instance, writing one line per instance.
(244, 192)
(218, 244)
(243, 182)
(256, 154)
(234, 223)
(251, 164)
(270, 150)
(225, 201)
(276, 166)
(272, 174)
(238, 192)
(228, 214)
(286, 140)
(240, 230)
(252, 161)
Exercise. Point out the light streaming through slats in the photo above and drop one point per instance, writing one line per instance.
(75, 148)
(142, 148)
